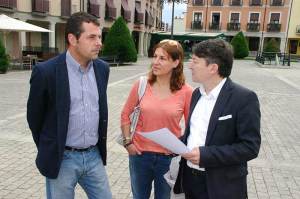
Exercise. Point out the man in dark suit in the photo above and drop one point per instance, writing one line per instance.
(223, 129)
(67, 113)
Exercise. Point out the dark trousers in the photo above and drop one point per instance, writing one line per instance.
(194, 184)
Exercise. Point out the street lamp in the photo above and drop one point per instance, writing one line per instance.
(173, 6)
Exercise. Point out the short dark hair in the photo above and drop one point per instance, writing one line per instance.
(216, 51)
(74, 24)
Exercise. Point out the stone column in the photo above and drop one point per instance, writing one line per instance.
(141, 44)
(146, 44)
(52, 35)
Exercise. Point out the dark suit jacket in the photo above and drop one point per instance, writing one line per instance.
(229, 143)
(48, 110)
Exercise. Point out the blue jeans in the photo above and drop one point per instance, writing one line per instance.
(146, 168)
(86, 169)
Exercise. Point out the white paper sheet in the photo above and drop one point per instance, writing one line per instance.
(166, 139)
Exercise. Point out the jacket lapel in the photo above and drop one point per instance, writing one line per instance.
(98, 76)
(221, 102)
(62, 98)
(195, 97)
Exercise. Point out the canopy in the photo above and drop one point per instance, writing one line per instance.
(183, 36)
(8, 24)
(11, 24)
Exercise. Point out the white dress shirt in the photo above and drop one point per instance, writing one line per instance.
(200, 119)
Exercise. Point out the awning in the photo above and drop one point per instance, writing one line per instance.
(126, 10)
(111, 8)
(94, 8)
(183, 36)
(139, 15)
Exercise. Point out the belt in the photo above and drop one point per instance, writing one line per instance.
(157, 153)
(195, 172)
(68, 148)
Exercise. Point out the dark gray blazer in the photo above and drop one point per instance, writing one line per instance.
(229, 143)
(48, 110)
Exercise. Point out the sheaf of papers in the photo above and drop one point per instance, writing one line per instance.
(166, 139)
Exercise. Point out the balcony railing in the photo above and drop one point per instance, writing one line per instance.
(233, 26)
(196, 25)
(274, 27)
(198, 2)
(255, 2)
(253, 26)
(40, 6)
(236, 3)
(215, 26)
(277, 3)
(216, 2)
(9, 4)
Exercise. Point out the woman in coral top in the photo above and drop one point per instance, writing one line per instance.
(166, 100)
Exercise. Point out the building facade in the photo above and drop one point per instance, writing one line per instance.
(260, 20)
(142, 16)
(294, 29)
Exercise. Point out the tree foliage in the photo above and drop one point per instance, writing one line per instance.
(240, 46)
(3, 59)
(119, 42)
(272, 46)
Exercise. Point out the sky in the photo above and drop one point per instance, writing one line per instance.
(167, 11)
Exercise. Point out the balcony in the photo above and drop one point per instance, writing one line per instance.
(198, 2)
(110, 10)
(255, 3)
(215, 26)
(196, 25)
(253, 26)
(233, 26)
(125, 11)
(274, 27)
(138, 14)
(94, 8)
(236, 3)
(277, 3)
(40, 7)
(8, 4)
(65, 8)
(216, 3)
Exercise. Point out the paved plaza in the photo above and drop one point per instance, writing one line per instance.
(275, 174)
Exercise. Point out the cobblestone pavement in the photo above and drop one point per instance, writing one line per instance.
(274, 174)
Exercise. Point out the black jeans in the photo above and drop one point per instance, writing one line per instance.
(194, 184)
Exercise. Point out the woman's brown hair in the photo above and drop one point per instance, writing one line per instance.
(175, 52)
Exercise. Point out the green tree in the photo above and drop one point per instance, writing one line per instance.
(119, 42)
(3, 59)
(272, 46)
(240, 46)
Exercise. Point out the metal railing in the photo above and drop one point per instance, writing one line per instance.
(274, 27)
(274, 58)
(233, 26)
(253, 27)
(196, 25)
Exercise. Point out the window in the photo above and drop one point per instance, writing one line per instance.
(254, 17)
(235, 17)
(197, 16)
(275, 17)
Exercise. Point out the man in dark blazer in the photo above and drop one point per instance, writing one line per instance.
(223, 129)
(67, 113)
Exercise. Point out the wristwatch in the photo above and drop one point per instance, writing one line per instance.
(127, 141)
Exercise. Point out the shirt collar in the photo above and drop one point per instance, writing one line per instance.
(214, 93)
(75, 65)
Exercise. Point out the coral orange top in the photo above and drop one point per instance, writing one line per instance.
(157, 113)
